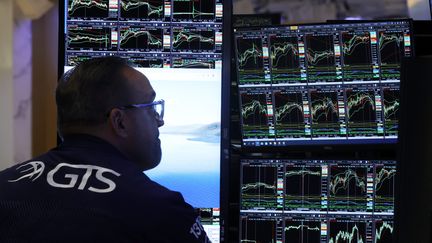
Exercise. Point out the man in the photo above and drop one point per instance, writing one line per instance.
(91, 187)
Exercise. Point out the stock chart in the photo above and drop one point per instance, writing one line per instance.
(193, 63)
(255, 114)
(325, 113)
(385, 187)
(329, 83)
(347, 232)
(391, 48)
(361, 112)
(194, 10)
(90, 38)
(323, 200)
(391, 104)
(303, 188)
(302, 231)
(193, 39)
(88, 9)
(259, 187)
(141, 38)
(258, 230)
(320, 56)
(319, 84)
(143, 10)
(284, 56)
(147, 63)
(176, 32)
(288, 113)
(383, 231)
(347, 188)
(357, 56)
(250, 61)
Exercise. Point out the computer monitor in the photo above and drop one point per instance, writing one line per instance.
(307, 200)
(321, 84)
(179, 46)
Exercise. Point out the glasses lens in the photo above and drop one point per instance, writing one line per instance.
(159, 110)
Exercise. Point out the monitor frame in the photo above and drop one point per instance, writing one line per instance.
(325, 216)
(338, 145)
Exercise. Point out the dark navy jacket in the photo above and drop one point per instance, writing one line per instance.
(87, 191)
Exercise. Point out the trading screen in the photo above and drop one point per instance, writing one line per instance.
(177, 44)
(322, 83)
(316, 200)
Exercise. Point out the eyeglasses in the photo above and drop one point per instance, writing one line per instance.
(158, 107)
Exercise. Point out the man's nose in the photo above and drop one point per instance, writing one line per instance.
(160, 122)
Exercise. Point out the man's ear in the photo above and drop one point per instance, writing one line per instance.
(117, 122)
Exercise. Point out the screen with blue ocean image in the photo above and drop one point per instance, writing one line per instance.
(190, 137)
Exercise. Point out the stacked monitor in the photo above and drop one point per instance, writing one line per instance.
(316, 200)
(177, 44)
(309, 85)
(322, 83)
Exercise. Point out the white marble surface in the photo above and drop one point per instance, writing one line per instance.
(6, 85)
(22, 78)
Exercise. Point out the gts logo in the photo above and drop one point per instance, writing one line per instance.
(34, 170)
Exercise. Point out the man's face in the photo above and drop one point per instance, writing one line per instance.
(143, 137)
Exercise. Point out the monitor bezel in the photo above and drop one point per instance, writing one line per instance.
(337, 145)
